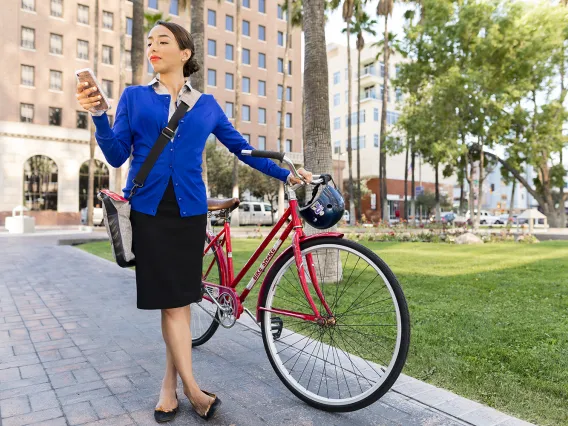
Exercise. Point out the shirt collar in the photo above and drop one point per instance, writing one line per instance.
(156, 82)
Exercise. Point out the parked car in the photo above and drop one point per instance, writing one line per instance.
(346, 216)
(256, 213)
(485, 218)
(447, 217)
(98, 218)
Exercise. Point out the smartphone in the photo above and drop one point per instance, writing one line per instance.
(87, 75)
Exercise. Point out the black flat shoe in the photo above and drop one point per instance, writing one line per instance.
(212, 408)
(162, 416)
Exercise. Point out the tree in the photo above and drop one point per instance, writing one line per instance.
(285, 72)
(137, 51)
(93, 141)
(260, 186)
(237, 109)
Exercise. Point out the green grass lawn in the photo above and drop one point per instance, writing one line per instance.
(489, 322)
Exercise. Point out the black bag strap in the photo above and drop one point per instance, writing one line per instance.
(165, 137)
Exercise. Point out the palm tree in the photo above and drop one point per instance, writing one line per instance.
(237, 109)
(121, 80)
(362, 23)
(93, 141)
(137, 49)
(283, 104)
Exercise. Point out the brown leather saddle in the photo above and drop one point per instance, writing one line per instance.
(214, 204)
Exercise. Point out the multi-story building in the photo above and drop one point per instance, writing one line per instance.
(372, 74)
(44, 134)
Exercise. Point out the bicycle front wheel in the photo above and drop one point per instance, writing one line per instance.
(353, 356)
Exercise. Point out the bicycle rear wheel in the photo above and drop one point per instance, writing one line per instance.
(351, 359)
(204, 316)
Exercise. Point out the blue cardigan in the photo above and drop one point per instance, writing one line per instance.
(141, 115)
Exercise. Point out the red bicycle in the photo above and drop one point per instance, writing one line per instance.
(333, 316)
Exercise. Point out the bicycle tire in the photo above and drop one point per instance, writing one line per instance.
(398, 360)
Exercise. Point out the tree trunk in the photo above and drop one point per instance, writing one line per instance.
(121, 82)
(93, 141)
(437, 189)
(383, 150)
(349, 144)
(358, 204)
(469, 177)
(198, 78)
(283, 106)
(463, 166)
(413, 189)
(235, 214)
(511, 204)
(405, 215)
(480, 189)
(137, 49)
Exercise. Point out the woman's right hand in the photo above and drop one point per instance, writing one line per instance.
(83, 92)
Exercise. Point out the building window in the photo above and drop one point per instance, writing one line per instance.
(246, 28)
(54, 116)
(336, 147)
(280, 12)
(107, 88)
(107, 55)
(398, 94)
(376, 140)
(229, 23)
(288, 145)
(337, 123)
(336, 77)
(246, 137)
(262, 60)
(229, 110)
(28, 5)
(376, 114)
(229, 52)
(108, 20)
(261, 88)
(82, 49)
(382, 69)
(392, 117)
(246, 113)
(246, 85)
(82, 14)
(396, 70)
(288, 120)
(388, 93)
(262, 32)
(246, 3)
(262, 143)
(153, 4)
(280, 38)
(81, 119)
(55, 80)
(128, 59)
(246, 56)
(280, 65)
(211, 17)
(211, 47)
(28, 38)
(229, 81)
(56, 44)
(174, 7)
(57, 8)
(27, 75)
(289, 94)
(40, 183)
(262, 116)
(289, 67)
(262, 6)
(279, 92)
(129, 26)
(26, 113)
(212, 78)
(336, 99)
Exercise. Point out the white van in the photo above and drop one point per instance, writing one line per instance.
(256, 213)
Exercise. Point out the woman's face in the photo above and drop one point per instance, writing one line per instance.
(163, 51)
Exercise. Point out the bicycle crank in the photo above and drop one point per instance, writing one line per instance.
(228, 304)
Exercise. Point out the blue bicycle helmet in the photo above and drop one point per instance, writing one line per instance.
(325, 208)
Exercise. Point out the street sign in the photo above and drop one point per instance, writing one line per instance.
(419, 190)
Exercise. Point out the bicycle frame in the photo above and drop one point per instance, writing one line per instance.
(227, 268)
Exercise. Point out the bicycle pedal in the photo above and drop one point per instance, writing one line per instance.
(276, 325)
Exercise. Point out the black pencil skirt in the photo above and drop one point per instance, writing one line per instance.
(169, 255)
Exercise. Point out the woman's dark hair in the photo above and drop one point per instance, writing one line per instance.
(184, 41)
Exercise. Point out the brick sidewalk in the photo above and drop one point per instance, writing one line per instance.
(74, 349)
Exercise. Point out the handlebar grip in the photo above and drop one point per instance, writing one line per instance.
(264, 154)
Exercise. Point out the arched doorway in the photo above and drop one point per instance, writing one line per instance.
(101, 182)
(40, 183)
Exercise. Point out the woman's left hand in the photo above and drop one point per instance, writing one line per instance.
(302, 172)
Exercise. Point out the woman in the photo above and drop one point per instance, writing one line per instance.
(169, 212)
